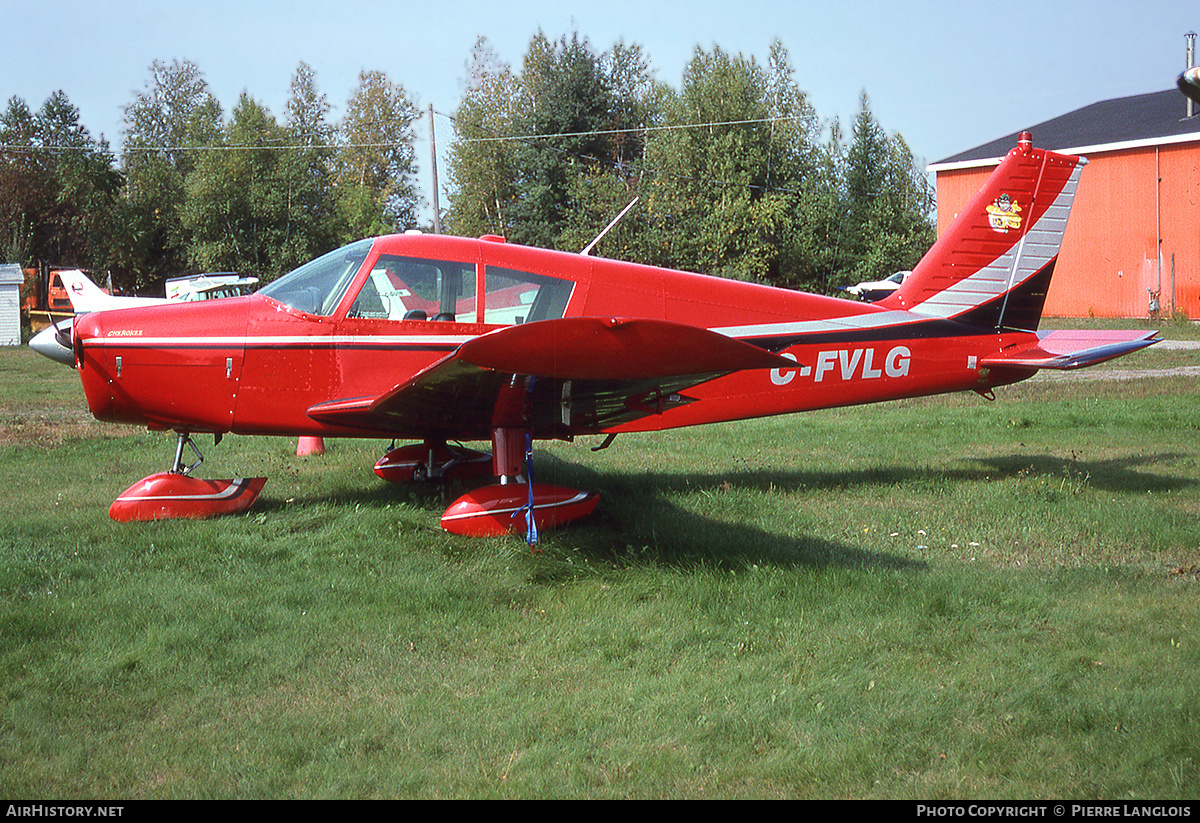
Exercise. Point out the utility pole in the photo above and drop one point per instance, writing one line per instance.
(437, 211)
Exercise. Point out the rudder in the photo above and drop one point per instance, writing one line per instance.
(992, 267)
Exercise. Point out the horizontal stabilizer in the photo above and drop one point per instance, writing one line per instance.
(1071, 349)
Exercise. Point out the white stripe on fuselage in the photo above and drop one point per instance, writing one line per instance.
(850, 323)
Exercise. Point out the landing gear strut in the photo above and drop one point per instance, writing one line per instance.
(514, 503)
(185, 438)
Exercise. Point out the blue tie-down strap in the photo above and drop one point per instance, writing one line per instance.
(531, 535)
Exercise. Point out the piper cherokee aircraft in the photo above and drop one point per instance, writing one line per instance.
(440, 339)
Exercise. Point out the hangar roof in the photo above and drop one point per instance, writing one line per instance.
(1158, 118)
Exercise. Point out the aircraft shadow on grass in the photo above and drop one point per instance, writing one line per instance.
(711, 539)
(1117, 474)
(637, 517)
(637, 514)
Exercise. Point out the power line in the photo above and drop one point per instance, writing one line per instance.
(633, 130)
(26, 149)
(273, 146)
(530, 139)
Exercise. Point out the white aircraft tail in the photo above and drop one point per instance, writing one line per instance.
(86, 296)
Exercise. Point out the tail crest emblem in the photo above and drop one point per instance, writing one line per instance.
(1004, 214)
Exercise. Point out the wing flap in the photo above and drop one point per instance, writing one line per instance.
(598, 348)
(1071, 349)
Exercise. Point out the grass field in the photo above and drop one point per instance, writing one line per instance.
(941, 598)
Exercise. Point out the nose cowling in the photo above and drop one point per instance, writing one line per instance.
(92, 365)
(165, 366)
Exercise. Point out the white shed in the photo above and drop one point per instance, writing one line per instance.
(11, 280)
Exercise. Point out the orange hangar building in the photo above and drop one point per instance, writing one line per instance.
(1132, 248)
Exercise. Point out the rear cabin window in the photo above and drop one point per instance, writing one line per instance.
(514, 297)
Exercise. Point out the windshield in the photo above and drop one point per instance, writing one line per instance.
(317, 286)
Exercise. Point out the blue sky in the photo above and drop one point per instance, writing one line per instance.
(946, 75)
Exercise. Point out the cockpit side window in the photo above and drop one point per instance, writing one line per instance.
(417, 288)
(414, 288)
(317, 287)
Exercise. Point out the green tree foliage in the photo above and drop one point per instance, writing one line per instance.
(24, 183)
(737, 170)
(609, 184)
(266, 197)
(375, 167)
(305, 174)
(888, 201)
(565, 93)
(731, 170)
(547, 157)
(483, 162)
(166, 124)
(244, 206)
(57, 186)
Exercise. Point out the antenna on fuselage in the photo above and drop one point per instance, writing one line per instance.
(588, 248)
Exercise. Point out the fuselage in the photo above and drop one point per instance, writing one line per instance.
(375, 314)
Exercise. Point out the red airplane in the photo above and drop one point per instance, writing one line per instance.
(442, 339)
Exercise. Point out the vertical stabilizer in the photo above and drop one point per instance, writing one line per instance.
(992, 267)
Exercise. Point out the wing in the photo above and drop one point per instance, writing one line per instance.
(1069, 349)
(570, 376)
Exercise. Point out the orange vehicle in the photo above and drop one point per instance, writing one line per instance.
(48, 292)
(57, 298)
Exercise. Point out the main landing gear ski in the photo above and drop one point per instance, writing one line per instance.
(514, 505)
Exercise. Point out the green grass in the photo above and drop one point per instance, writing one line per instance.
(941, 598)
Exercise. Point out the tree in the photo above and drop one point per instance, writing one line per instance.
(735, 173)
(375, 166)
(888, 202)
(304, 172)
(267, 197)
(24, 183)
(166, 125)
(482, 161)
(236, 205)
(57, 186)
(606, 186)
(86, 185)
(549, 157)
(565, 95)
(737, 170)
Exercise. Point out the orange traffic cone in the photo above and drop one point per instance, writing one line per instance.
(310, 445)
